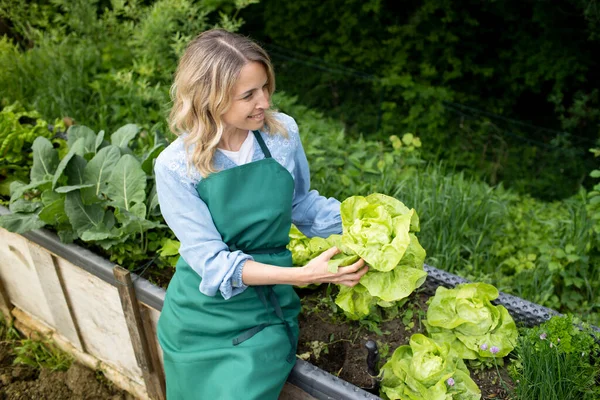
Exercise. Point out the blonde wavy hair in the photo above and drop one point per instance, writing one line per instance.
(202, 92)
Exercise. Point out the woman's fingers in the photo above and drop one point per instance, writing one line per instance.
(350, 277)
(327, 254)
(349, 283)
(352, 267)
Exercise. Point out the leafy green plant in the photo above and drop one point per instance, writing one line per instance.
(465, 318)
(41, 353)
(557, 360)
(100, 192)
(547, 248)
(379, 229)
(18, 130)
(36, 351)
(427, 370)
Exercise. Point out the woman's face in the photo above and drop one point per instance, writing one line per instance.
(250, 98)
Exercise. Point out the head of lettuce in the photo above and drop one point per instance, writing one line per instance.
(379, 229)
(427, 370)
(465, 318)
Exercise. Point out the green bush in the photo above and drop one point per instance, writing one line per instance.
(104, 65)
(18, 129)
(101, 191)
(384, 68)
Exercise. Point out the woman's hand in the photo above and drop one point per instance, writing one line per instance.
(316, 270)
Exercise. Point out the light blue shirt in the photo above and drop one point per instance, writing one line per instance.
(188, 216)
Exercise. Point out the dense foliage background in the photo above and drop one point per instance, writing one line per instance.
(503, 96)
(504, 89)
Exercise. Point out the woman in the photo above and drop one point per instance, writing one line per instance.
(229, 187)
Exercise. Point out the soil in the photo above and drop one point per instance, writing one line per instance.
(23, 382)
(336, 345)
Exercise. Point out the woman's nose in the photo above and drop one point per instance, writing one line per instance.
(263, 100)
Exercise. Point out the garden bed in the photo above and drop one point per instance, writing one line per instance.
(97, 332)
(338, 345)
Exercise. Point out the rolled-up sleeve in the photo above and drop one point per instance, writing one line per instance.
(202, 246)
(313, 214)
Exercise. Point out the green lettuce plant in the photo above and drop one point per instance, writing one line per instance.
(378, 229)
(305, 249)
(465, 318)
(427, 370)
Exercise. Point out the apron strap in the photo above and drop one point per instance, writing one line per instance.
(262, 144)
(275, 302)
(248, 334)
(277, 307)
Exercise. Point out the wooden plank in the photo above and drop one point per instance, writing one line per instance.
(5, 304)
(20, 278)
(292, 392)
(54, 294)
(98, 313)
(157, 365)
(137, 332)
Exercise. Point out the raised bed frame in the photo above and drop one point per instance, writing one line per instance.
(106, 317)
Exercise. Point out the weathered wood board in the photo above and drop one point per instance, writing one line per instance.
(20, 277)
(99, 316)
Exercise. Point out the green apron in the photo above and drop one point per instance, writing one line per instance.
(243, 347)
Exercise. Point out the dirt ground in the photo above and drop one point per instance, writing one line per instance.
(337, 346)
(22, 382)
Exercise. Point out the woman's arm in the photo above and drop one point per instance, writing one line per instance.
(255, 273)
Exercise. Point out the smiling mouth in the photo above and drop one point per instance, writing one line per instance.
(257, 116)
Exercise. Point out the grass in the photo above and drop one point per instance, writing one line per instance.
(548, 373)
(41, 353)
(37, 351)
(457, 216)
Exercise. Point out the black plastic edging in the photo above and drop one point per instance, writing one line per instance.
(324, 386)
(521, 310)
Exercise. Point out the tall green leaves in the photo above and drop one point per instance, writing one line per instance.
(97, 192)
(98, 170)
(45, 160)
(127, 184)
